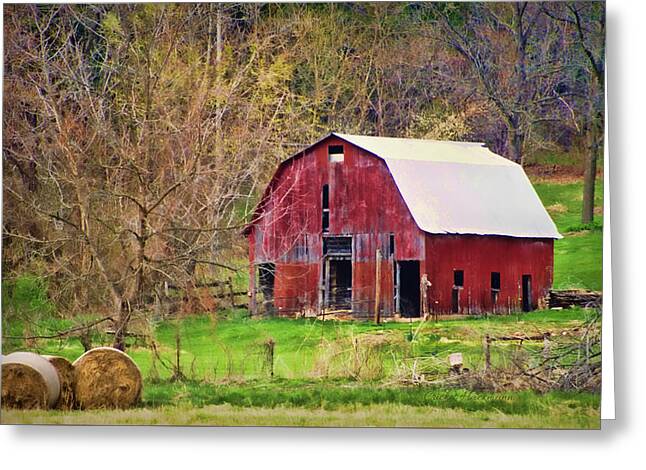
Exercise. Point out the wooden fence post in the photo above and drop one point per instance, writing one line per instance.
(269, 356)
(231, 294)
(546, 350)
(377, 285)
(486, 343)
(177, 374)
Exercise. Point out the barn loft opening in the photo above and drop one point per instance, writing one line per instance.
(338, 246)
(335, 153)
(325, 196)
(409, 282)
(391, 245)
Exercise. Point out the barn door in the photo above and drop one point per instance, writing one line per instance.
(527, 292)
(267, 280)
(409, 296)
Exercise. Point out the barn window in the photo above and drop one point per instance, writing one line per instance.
(326, 207)
(458, 278)
(495, 281)
(391, 245)
(335, 153)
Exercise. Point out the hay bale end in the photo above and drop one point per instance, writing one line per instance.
(29, 381)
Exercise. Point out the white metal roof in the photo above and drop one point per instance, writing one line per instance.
(461, 187)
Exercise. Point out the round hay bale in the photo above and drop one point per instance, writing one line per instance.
(65, 372)
(106, 378)
(29, 381)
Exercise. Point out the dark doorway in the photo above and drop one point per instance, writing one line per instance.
(458, 285)
(455, 300)
(266, 281)
(527, 293)
(340, 283)
(409, 288)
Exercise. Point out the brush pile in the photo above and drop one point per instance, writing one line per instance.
(560, 360)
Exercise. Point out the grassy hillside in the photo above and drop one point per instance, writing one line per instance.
(578, 256)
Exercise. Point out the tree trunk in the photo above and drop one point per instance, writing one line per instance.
(122, 313)
(589, 176)
(516, 139)
(594, 130)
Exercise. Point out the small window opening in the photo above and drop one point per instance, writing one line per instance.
(335, 153)
(326, 220)
(326, 208)
(495, 281)
(326, 196)
(458, 278)
(391, 245)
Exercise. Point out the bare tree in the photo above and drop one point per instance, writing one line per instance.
(587, 22)
(129, 177)
(512, 50)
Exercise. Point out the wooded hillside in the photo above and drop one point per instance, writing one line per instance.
(137, 138)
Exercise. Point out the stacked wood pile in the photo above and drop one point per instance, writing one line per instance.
(574, 298)
(100, 378)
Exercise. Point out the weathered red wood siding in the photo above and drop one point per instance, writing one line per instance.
(364, 202)
(478, 257)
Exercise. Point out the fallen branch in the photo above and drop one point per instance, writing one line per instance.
(62, 334)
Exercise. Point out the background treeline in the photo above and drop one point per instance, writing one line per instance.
(137, 138)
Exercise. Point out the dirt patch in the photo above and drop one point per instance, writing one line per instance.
(556, 173)
(557, 208)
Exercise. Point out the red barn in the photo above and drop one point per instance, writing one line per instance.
(405, 226)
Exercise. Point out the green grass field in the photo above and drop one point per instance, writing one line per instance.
(578, 256)
(344, 373)
(563, 412)
(226, 373)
